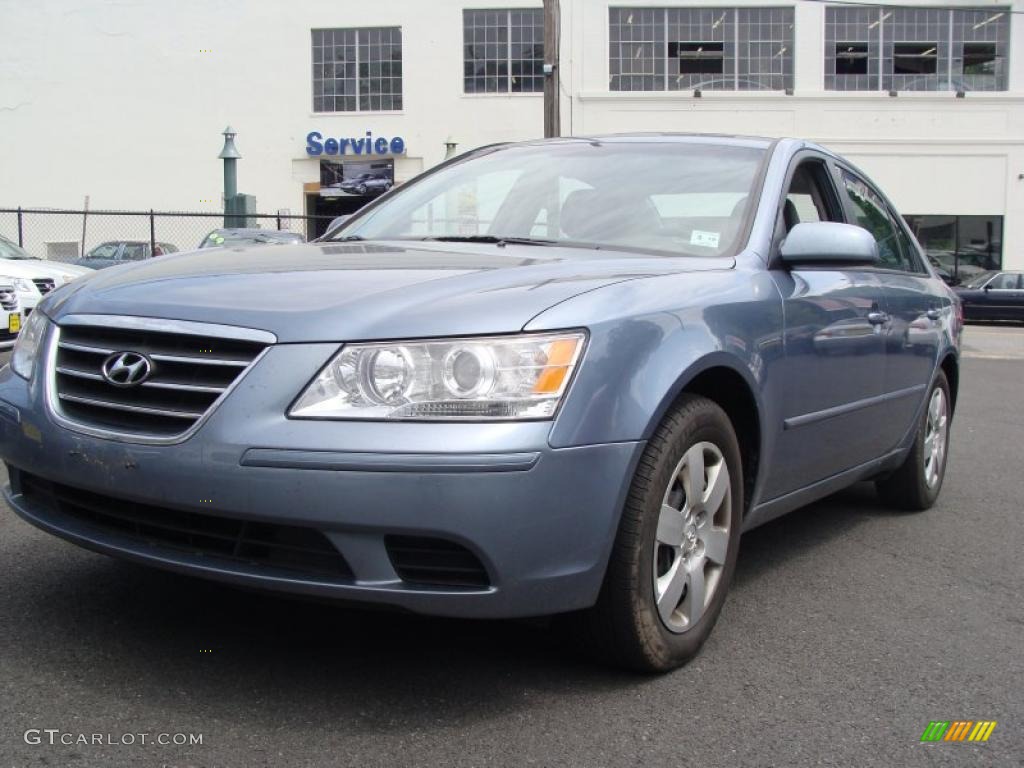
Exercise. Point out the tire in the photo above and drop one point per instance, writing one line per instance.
(916, 484)
(626, 626)
(361, 189)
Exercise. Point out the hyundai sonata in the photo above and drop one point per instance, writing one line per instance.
(556, 377)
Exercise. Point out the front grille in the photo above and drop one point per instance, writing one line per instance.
(8, 298)
(44, 284)
(429, 561)
(284, 548)
(189, 374)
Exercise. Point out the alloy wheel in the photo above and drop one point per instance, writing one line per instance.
(935, 432)
(692, 539)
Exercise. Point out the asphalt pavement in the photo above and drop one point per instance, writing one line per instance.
(848, 629)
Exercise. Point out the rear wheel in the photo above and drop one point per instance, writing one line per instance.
(677, 544)
(916, 484)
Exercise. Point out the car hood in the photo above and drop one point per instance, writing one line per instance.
(347, 291)
(31, 269)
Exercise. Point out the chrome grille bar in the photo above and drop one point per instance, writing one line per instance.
(130, 408)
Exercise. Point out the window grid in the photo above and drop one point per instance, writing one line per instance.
(757, 48)
(357, 69)
(885, 28)
(503, 50)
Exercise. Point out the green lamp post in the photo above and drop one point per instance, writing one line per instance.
(230, 155)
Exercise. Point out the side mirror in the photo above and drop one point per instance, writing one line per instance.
(827, 242)
(988, 287)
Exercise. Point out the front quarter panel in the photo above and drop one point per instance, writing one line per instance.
(650, 337)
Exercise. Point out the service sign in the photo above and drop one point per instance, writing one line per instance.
(317, 145)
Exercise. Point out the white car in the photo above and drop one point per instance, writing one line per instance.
(29, 285)
(10, 314)
(44, 275)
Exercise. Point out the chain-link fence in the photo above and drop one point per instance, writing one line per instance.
(66, 235)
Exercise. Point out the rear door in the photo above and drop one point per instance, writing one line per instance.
(918, 306)
(834, 346)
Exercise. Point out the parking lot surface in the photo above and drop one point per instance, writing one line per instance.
(848, 629)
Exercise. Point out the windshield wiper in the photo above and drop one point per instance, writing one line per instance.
(345, 239)
(499, 240)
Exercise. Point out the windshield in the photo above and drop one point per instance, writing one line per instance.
(218, 239)
(9, 250)
(683, 198)
(979, 281)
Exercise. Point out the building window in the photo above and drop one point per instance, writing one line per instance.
(357, 69)
(698, 58)
(684, 49)
(916, 49)
(851, 58)
(503, 51)
(914, 58)
(961, 246)
(979, 59)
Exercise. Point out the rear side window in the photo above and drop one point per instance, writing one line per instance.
(871, 213)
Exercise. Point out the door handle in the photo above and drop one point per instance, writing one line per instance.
(878, 318)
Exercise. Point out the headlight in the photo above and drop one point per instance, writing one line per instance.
(481, 379)
(19, 283)
(27, 346)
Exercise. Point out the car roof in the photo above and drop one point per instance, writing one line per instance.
(772, 144)
(661, 137)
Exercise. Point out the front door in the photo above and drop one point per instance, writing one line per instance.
(1003, 298)
(834, 350)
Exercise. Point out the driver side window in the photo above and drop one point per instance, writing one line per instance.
(105, 251)
(1004, 282)
(810, 197)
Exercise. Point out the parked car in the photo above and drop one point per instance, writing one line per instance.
(366, 183)
(10, 313)
(994, 296)
(239, 236)
(42, 272)
(115, 252)
(566, 404)
(31, 280)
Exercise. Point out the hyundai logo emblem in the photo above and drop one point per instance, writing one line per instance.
(127, 369)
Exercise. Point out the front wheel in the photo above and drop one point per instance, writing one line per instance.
(916, 484)
(677, 544)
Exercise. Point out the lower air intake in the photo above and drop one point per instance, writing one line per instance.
(279, 548)
(429, 561)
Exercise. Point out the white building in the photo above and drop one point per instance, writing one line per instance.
(125, 102)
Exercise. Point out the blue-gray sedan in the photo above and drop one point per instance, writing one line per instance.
(556, 377)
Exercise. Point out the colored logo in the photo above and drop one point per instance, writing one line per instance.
(958, 730)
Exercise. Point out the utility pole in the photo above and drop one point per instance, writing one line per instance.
(552, 33)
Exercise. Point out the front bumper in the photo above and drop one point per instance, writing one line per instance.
(540, 520)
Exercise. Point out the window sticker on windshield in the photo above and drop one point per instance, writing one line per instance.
(704, 239)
